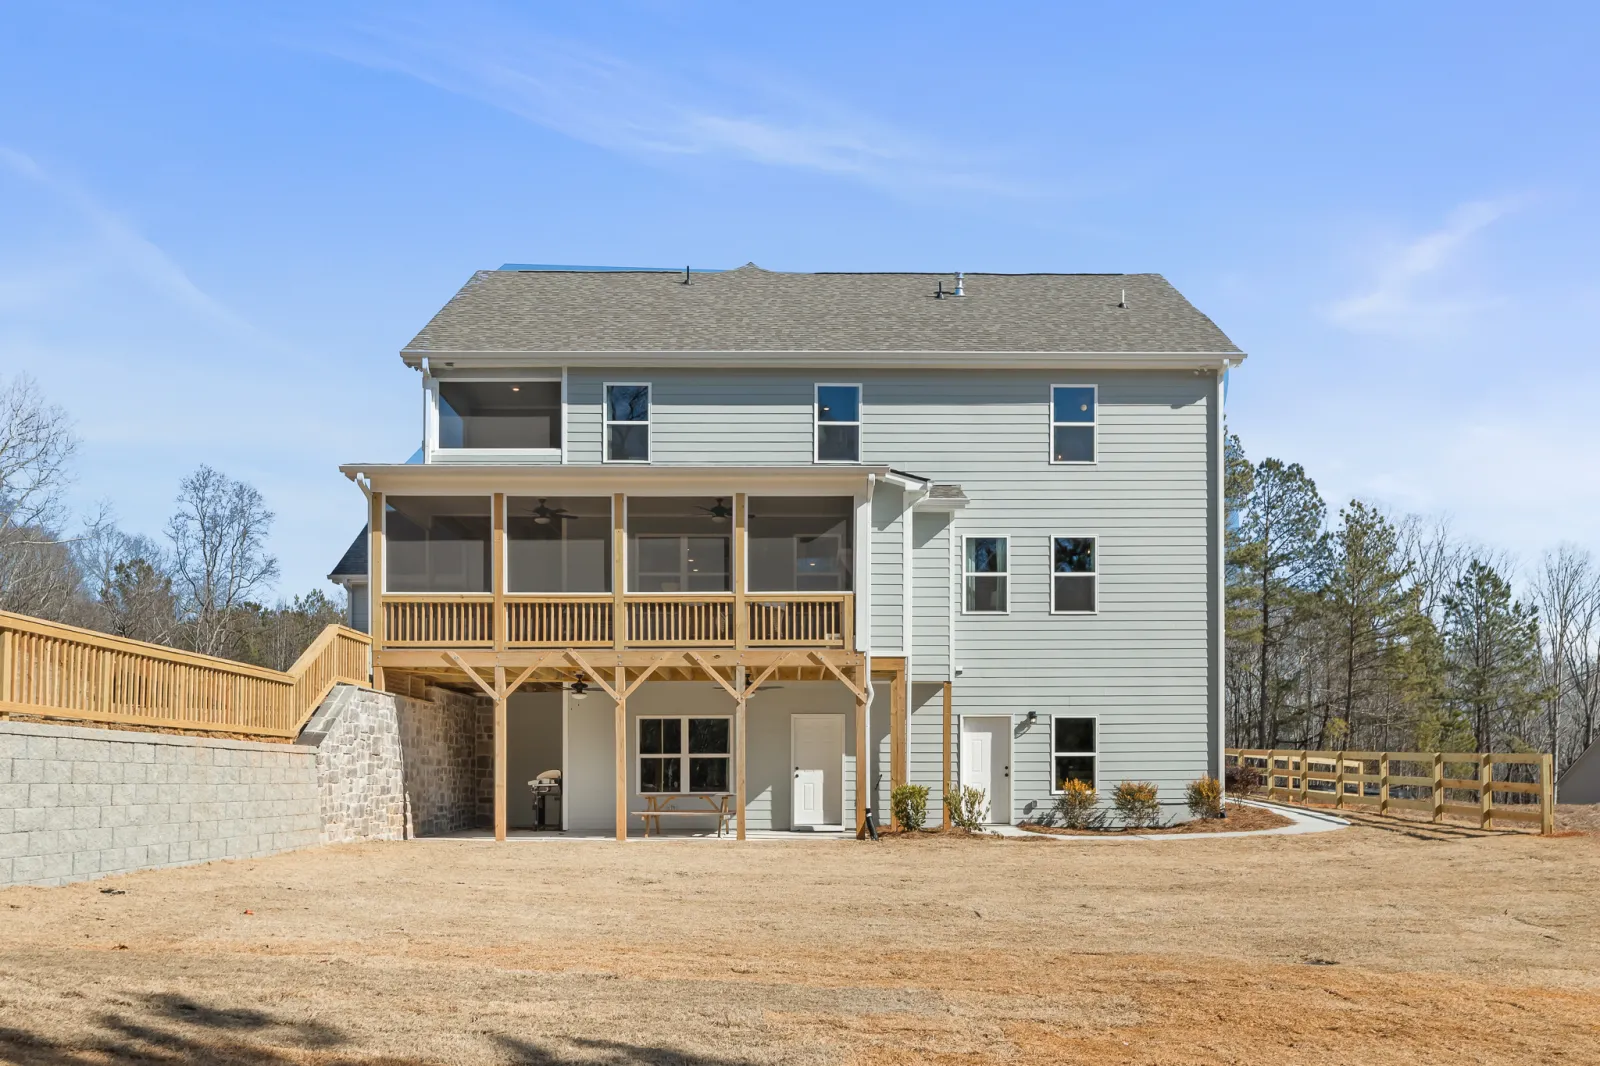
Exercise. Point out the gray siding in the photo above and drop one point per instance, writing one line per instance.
(932, 592)
(925, 744)
(888, 571)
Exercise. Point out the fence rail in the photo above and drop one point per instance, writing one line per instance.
(50, 670)
(1427, 781)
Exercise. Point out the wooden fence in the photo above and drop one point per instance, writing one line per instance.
(1433, 782)
(49, 670)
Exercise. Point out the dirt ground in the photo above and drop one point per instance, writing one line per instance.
(1384, 943)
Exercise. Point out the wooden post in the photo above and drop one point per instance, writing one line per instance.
(897, 733)
(500, 753)
(375, 617)
(1305, 785)
(1438, 785)
(622, 751)
(1383, 783)
(1485, 791)
(1338, 781)
(863, 763)
(741, 621)
(8, 659)
(497, 570)
(945, 793)
(1272, 769)
(1547, 794)
(739, 726)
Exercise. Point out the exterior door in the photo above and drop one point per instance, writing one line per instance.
(986, 764)
(816, 744)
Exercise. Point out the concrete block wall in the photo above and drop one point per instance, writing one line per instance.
(78, 803)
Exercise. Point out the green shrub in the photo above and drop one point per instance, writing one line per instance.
(1136, 802)
(966, 808)
(910, 805)
(1205, 798)
(1075, 807)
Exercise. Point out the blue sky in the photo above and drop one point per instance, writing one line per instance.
(219, 223)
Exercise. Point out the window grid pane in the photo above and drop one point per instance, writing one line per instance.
(1073, 403)
(1073, 444)
(1073, 594)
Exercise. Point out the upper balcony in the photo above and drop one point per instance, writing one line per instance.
(501, 571)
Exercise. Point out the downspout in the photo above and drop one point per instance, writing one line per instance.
(1220, 634)
(865, 757)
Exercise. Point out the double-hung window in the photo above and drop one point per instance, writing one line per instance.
(1072, 750)
(838, 423)
(1073, 575)
(685, 755)
(627, 423)
(985, 574)
(1072, 423)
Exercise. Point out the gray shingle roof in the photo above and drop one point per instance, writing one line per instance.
(946, 492)
(354, 561)
(750, 309)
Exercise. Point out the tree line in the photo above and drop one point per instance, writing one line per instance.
(1377, 632)
(202, 585)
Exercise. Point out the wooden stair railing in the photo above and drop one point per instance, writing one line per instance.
(56, 671)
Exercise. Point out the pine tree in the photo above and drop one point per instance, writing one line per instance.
(1493, 645)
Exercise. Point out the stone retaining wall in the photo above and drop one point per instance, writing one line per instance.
(80, 802)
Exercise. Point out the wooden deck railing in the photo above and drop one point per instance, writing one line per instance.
(50, 670)
(663, 620)
(1432, 782)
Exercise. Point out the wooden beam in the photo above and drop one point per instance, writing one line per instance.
(715, 675)
(620, 694)
(862, 761)
(822, 660)
(768, 672)
(525, 674)
(945, 788)
(583, 664)
(619, 569)
(644, 675)
(604, 659)
(481, 683)
(741, 619)
(500, 754)
(740, 700)
(375, 583)
(899, 713)
(497, 570)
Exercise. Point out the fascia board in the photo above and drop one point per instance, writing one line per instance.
(457, 479)
(838, 359)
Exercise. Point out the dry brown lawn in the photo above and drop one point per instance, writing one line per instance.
(1380, 944)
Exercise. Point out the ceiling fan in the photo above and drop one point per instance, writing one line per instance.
(720, 513)
(542, 514)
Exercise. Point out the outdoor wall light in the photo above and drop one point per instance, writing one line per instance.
(580, 689)
(1033, 716)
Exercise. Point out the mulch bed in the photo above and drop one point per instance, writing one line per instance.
(1239, 820)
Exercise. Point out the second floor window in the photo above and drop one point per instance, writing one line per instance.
(985, 575)
(1072, 575)
(1072, 423)
(627, 423)
(838, 423)
(500, 415)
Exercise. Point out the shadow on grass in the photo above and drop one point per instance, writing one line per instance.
(178, 1031)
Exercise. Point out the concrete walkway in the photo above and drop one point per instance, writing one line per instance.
(1304, 822)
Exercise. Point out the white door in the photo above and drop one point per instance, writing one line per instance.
(986, 764)
(816, 743)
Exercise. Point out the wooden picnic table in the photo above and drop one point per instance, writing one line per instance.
(659, 806)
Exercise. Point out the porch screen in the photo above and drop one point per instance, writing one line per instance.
(801, 543)
(437, 544)
(680, 544)
(558, 544)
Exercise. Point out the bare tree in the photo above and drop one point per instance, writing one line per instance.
(36, 449)
(1434, 558)
(219, 555)
(1563, 583)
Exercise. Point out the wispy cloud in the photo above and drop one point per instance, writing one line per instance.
(112, 242)
(1416, 287)
(604, 100)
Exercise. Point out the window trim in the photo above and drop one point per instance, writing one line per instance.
(1050, 568)
(387, 554)
(1006, 573)
(606, 422)
(431, 429)
(684, 756)
(1093, 424)
(817, 423)
(1095, 754)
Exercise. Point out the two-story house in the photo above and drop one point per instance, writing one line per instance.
(773, 543)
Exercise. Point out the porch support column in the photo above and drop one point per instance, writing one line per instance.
(497, 571)
(741, 620)
(945, 814)
(739, 726)
(500, 753)
(897, 732)
(375, 585)
(863, 759)
(621, 690)
(619, 584)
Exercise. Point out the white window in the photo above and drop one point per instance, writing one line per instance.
(1072, 423)
(679, 756)
(627, 423)
(1073, 575)
(837, 423)
(1073, 743)
(985, 574)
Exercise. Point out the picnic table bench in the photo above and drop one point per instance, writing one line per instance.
(657, 807)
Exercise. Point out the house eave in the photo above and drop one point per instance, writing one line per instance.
(600, 479)
(988, 360)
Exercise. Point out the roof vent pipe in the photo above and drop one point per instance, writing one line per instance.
(686, 275)
(1122, 301)
(961, 289)
(938, 293)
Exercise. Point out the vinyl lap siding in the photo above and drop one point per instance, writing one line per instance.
(930, 595)
(888, 572)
